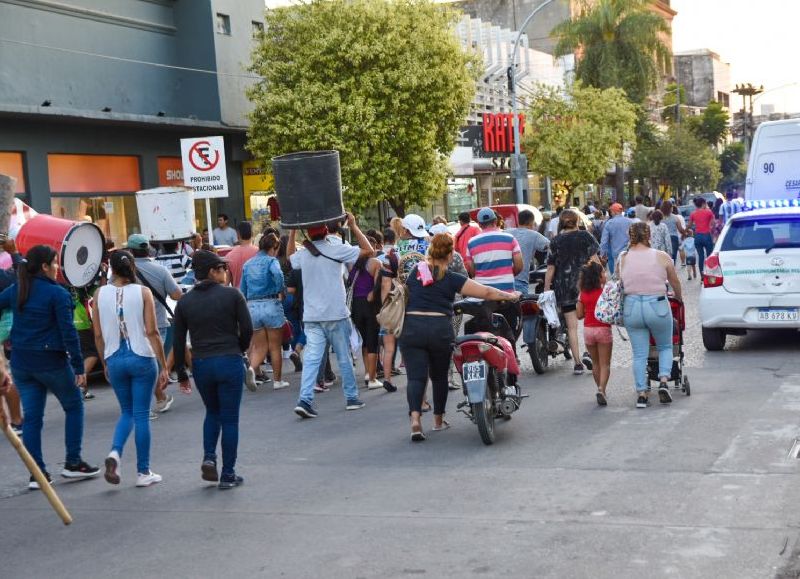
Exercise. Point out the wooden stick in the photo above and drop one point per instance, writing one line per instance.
(44, 485)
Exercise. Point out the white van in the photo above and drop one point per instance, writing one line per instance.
(773, 171)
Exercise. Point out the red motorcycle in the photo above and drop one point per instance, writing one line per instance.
(485, 358)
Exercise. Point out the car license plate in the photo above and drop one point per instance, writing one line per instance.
(474, 371)
(777, 315)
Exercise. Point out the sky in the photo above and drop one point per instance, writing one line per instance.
(757, 37)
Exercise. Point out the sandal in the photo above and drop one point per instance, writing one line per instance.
(417, 435)
(444, 426)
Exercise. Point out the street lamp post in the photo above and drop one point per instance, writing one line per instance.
(519, 162)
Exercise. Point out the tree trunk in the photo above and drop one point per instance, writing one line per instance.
(6, 202)
(398, 206)
(619, 183)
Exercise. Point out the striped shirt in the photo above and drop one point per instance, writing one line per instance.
(729, 208)
(176, 263)
(492, 253)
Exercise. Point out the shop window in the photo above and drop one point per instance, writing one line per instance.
(116, 216)
(11, 164)
(96, 174)
(223, 24)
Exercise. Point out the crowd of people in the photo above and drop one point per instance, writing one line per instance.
(189, 314)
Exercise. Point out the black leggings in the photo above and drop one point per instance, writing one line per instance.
(426, 344)
(365, 320)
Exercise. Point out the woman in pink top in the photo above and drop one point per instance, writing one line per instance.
(702, 221)
(644, 273)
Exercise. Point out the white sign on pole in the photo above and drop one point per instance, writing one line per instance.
(204, 166)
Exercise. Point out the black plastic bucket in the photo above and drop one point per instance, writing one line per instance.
(309, 188)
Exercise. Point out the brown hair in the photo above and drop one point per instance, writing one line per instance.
(568, 219)
(656, 216)
(639, 233)
(268, 242)
(441, 247)
(397, 226)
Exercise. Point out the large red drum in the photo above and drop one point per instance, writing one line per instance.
(79, 245)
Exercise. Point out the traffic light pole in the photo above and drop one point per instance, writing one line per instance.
(519, 163)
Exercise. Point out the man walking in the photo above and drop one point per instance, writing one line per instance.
(325, 315)
(237, 256)
(160, 281)
(468, 231)
(530, 243)
(224, 235)
(730, 207)
(493, 258)
(615, 236)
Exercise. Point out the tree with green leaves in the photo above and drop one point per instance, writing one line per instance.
(574, 138)
(385, 82)
(679, 159)
(732, 166)
(618, 43)
(712, 126)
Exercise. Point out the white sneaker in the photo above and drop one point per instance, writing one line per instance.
(280, 385)
(145, 480)
(374, 384)
(250, 379)
(164, 405)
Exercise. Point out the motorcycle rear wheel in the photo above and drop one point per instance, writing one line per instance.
(484, 414)
(538, 350)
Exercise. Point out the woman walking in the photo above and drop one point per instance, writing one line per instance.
(427, 338)
(659, 233)
(569, 252)
(645, 272)
(125, 331)
(221, 329)
(263, 287)
(364, 309)
(675, 226)
(46, 357)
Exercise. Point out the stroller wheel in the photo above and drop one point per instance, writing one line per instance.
(687, 389)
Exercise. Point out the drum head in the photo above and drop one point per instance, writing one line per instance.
(81, 254)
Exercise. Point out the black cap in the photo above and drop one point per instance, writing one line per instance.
(203, 261)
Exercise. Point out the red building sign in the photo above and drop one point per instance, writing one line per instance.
(498, 132)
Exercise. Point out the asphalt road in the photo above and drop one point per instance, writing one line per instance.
(703, 488)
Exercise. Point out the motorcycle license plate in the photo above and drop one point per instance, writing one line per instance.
(474, 371)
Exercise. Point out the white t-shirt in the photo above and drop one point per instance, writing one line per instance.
(324, 296)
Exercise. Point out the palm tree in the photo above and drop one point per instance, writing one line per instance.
(617, 43)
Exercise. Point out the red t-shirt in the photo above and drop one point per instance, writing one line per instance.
(236, 258)
(463, 236)
(702, 219)
(589, 301)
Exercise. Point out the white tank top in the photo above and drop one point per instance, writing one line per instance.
(121, 311)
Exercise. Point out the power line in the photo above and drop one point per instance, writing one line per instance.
(130, 60)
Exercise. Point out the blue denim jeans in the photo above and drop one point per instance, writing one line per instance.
(522, 287)
(220, 379)
(33, 388)
(133, 378)
(318, 335)
(676, 241)
(705, 247)
(612, 261)
(645, 315)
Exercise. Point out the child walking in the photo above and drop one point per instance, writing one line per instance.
(691, 253)
(596, 335)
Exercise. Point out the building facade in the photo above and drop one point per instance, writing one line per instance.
(95, 96)
(704, 77)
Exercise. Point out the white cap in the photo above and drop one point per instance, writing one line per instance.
(415, 225)
(439, 228)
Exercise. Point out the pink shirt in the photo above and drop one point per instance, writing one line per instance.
(236, 258)
(463, 236)
(702, 219)
(643, 274)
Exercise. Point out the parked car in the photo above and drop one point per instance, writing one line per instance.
(752, 279)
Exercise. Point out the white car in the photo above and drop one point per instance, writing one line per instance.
(752, 279)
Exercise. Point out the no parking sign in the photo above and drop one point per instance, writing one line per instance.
(204, 166)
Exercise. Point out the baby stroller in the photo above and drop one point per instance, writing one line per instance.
(678, 377)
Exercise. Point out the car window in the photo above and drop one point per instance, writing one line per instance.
(762, 233)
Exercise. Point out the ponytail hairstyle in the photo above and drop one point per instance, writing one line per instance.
(269, 241)
(37, 256)
(123, 266)
(440, 249)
